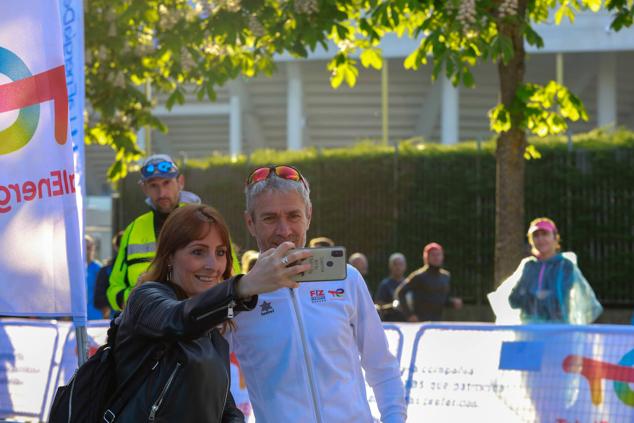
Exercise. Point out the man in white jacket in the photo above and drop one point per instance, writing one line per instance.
(302, 351)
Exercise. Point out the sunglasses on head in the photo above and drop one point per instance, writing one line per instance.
(158, 168)
(281, 171)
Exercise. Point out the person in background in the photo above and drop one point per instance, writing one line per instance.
(163, 185)
(425, 293)
(384, 297)
(101, 286)
(546, 287)
(185, 301)
(305, 351)
(249, 257)
(360, 262)
(321, 241)
(92, 268)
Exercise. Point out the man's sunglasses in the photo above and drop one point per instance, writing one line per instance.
(281, 171)
(158, 168)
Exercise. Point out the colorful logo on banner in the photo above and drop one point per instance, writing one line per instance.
(25, 92)
(595, 371)
(622, 389)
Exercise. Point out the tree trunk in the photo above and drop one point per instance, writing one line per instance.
(509, 195)
(509, 203)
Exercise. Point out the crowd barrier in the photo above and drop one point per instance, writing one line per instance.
(533, 373)
(451, 372)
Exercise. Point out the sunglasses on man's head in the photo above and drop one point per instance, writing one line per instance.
(158, 168)
(281, 171)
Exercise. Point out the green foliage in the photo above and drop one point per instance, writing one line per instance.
(459, 34)
(372, 58)
(134, 48)
(375, 199)
(543, 110)
(500, 119)
(623, 13)
(531, 153)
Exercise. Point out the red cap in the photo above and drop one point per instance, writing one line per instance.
(429, 247)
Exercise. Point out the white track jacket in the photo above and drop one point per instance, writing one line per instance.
(302, 350)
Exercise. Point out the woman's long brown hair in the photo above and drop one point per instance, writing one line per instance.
(184, 225)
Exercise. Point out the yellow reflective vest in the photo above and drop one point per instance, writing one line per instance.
(137, 249)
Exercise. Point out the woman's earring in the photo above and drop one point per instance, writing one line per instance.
(169, 272)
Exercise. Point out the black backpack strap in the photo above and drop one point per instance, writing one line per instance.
(112, 330)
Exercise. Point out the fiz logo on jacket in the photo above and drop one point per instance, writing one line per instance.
(317, 296)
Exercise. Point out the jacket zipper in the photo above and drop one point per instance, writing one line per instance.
(229, 308)
(159, 400)
(308, 362)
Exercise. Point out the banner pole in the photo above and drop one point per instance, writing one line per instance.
(81, 335)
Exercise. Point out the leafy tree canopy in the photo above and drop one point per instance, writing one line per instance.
(170, 44)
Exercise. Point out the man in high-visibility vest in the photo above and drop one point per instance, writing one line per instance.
(163, 185)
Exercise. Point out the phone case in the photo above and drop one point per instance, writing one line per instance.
(327, 264)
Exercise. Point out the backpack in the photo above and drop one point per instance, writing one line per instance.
(93, 395)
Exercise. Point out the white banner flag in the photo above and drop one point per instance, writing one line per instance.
(41, 266)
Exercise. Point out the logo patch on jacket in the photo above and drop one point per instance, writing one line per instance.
(317, 296)
(266, 308)
(336, 294)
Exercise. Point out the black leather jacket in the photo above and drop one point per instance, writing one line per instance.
(191, 381)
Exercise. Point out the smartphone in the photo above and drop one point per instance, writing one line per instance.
(327, 264)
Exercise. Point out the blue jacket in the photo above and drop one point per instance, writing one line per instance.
(92, 313)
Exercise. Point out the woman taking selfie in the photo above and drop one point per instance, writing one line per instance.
(182, 305)
(548, 286)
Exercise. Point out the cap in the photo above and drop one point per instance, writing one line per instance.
(543, 224)
(431, 246)
(428, 248)
(158, 166)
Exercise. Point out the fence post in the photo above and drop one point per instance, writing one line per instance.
(569, 165)
(397, 197)
(479, 294)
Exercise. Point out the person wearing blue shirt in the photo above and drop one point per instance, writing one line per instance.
(92, 268)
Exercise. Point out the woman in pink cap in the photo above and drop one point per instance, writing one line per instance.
(548, 286)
